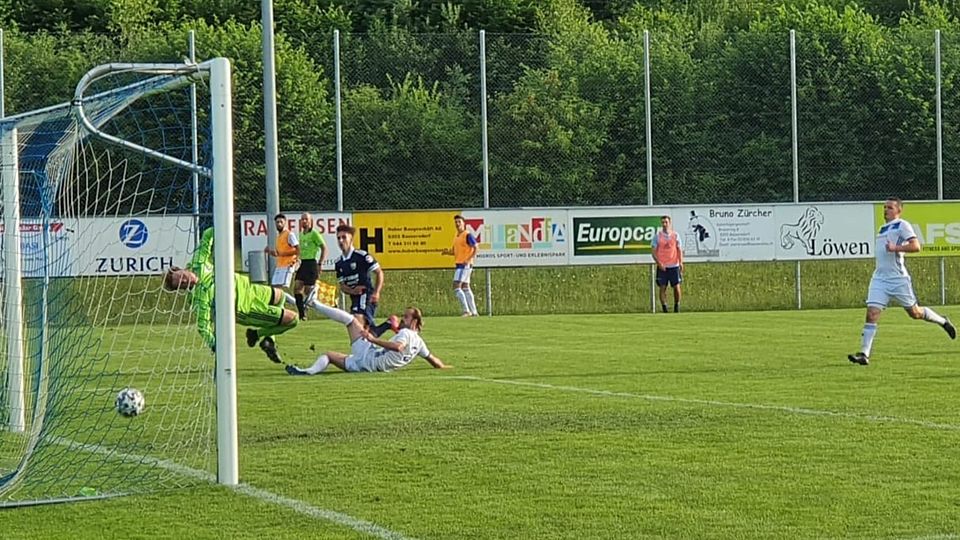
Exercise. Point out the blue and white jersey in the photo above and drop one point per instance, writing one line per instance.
(354, 269)
(890, 265)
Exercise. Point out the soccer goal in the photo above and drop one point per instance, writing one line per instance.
(100, 197)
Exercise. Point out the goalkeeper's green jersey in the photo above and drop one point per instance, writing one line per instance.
(204, 253)
(202, 299)
(202, 295)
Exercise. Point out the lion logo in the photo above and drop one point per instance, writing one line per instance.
(804, 230)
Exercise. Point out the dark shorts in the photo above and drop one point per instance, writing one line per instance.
(308, 272)
(361, 304)
(669, 276)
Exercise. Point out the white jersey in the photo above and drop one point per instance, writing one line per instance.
(414, 346)
(890, 265)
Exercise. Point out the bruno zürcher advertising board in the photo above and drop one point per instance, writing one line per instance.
(782, 232)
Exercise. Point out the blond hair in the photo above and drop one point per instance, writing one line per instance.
(417, 317)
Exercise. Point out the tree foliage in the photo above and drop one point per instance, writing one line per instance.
(566, 81)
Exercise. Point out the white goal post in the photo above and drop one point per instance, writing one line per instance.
(28, 397)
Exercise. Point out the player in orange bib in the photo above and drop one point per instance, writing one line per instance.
(667, 252)
(464, 250)
(287, 253)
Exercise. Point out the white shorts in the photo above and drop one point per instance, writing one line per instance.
(363, 357)
(463, 274)
(899, 291)
(283, 276)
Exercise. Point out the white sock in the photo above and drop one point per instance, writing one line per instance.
(318, 366)
(333, 313)
(310, 296)
(462, 297)
(869, 331)
(932, 316)
(289, 299)
(471, 302)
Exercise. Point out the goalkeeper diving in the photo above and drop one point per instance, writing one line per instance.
(257, 306)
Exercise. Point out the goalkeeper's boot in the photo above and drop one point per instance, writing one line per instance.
(252, 337)
(268, 346)
(859, 358)
(950, 329)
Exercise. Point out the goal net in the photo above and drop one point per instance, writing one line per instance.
(100, 197)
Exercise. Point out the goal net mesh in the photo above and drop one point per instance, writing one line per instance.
(84, 314)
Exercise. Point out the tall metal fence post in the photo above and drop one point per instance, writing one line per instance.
(794, 147)
(649, 136)
(338, 122)
(338, 117)
(483, 150)
(936, 63)
(272, 179)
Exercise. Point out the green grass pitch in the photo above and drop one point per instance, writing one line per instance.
(694, 425)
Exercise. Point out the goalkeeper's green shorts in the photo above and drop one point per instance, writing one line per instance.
(258, 311)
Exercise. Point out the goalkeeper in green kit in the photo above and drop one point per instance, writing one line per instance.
(258, 306)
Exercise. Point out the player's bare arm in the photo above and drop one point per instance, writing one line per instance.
(323, 257)
(436, 362)
(375, 296)
(396, 346)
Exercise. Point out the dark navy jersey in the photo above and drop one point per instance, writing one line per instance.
(354, 269)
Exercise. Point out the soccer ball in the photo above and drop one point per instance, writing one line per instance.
(130, 402)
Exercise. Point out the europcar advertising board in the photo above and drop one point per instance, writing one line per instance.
(611, 236)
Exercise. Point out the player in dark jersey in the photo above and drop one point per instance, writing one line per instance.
(355, 270)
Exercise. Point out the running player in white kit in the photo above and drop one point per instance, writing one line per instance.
(891, 281)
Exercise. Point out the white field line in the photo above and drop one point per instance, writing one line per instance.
(359, 525)
(716, 403)
(733, 405)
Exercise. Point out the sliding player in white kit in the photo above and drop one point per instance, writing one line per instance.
(368, 352)
(891, 281)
